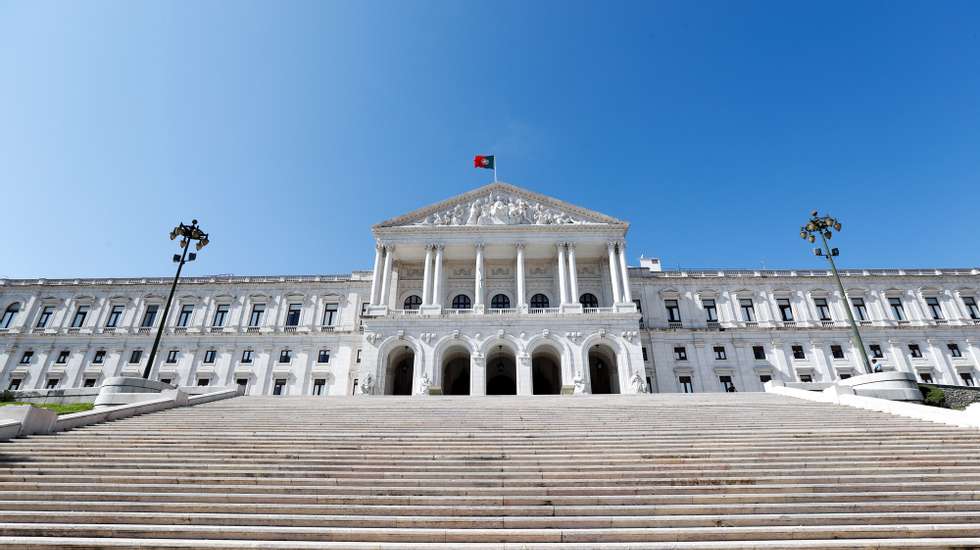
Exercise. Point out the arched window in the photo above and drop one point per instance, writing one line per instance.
(500, 301)
(9, 314)
(588, 300)
(462, 301)
(539, 300)
(413, 302)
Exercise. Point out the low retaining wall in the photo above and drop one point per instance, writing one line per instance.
(58, 397)
(958, 397)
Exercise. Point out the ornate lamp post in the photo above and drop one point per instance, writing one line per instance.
(187, 233)
(822, 226)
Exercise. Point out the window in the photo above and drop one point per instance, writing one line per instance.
(318, 385)
(759, 353)
(806, 378)
(255, 319)
(876, 351)
(150, 316)
(726, 382)
(242, 383)
(673, 311)
(785, 309)
(500, 301)
(99, 357)
(358, 356)
(639, 308)
(324, 356)
(462, 301)
(51, 384)
(765, 378)
(165, 380)
(279, 386)
(844, 376)
(14, 384)
(62, 357)
(680, 353)
(9, 314)
(971, 307)
(710, 311)
(209, 356)
(220, 314)
(539, 301)
(860, 311)
(329, 314)
(967, 378)
(720, 353)
(135, 356)
(292, 314)
(80, 314)
(184, 316)
(203, 381)
(915, 351)
(837, 352)
(413, 302)
(898, 310)
(46, 312)
(247, 356)
(589, 300)
(798, 352)
(172, 356)
(823, 310)
(285, 356)
(954, 350)
(115, 314)
(925, 377)
(686, 384)
(645, 356)
(89, 383)
(935, 309)
(748, 310)
(26, 358)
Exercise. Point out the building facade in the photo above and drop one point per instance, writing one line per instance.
(495, 291)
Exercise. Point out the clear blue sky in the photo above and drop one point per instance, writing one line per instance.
(289, 128)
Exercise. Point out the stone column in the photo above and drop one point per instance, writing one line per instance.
(376, 279)
(437, 276)
(525, 381)
(562, 276)
(521, 297)
(478, 277)
(427, 277)
(386, 278)
(613, 271)
(572, 275)
(478, 374)
(624, 271)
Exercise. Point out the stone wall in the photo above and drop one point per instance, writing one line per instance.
(958, 397)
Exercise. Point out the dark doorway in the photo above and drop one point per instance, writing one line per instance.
(501, 373)
(603, 370)
(400, 373)
(546, 372)
(456, 374)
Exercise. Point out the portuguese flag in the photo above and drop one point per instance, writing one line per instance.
(483, 161)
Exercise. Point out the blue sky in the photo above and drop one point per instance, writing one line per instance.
(288, 128)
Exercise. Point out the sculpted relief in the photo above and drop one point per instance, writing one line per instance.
(501, 209)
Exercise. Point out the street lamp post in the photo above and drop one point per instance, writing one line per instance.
(187, 233)
(822, 226)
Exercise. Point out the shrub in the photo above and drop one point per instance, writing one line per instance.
(6, 396)
(933, 396)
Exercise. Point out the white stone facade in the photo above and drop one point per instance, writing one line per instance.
(498, 290)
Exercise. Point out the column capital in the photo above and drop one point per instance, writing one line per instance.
(622, 244)
(519, 245)
(479, 245)
(611, 245)
(430, 246)
(389, 247)
(570, 245)
(378, 245)
(561, 245)
(439, 246)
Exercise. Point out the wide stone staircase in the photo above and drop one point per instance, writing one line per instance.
(627, 472)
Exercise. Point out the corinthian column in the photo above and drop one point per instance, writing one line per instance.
(613, 271)
(386, 278)
(521, 299)
(627, 296)
(572, 275)
(427, 276)
(376, 279)
(437, 277)
(562, 275)
(478, 276)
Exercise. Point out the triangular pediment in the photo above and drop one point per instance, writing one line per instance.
(500, 204)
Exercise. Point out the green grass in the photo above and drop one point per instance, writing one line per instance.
(58, 408)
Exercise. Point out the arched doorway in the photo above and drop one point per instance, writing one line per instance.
(501, 372)
(546, 371)
(400, 372)
(456, 372)
(603, 369)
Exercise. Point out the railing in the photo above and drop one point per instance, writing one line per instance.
(826, 322)
(180, 330)
(251, 330)
(326, 328)
(542, 310)
(790, 324)
(144, 330)
(289, 328)
(501, 310)
(675, 324)
(73, 330)
(941, 321)
(404, 312)
(460, 311)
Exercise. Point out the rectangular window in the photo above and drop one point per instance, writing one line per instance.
(8, 315)
(292, 315)
(860, 310)
(720, 354)
(255, 319)
(967, 379)
(242, 383)
(329, 314)
(220, 314)
(837, 352)
(954, 350)
(26, 358)
(46, 312)
(785, 309)
(673, 311)
(823, 310)
(935, 309)
(710, 311)
(759, 352)
(748, 310)
(915, 351)
(135, 356)
(184, 317)
(62, 357)
(806, 378)
(898, 310)
(209, 356)
(765, 378)
(89, 383)
(645, 357)
(80, 314)
(14, 384)
(279, 387)
(324, 356)
(680, 353)
(247, 356)
(876, 351)
(358, 360)
(727, 384)
(51, 384)
(844, 376)
(639, 308)
(925, 377)
(318, 385)
(285, 356)
(150, 316)
(172, 356)
(798, 352)
(165, 380)
(686, 384)
(203, 381)
(971, 307)
(115, 315)
(99, 357)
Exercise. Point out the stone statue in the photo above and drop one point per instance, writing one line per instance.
(578, 383)
(424, 384)
(367, 386)
(637, 383)
(500, 209)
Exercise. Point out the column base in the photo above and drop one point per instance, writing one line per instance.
(479, 309)
(430, 310)
(376, 311)
(625, 308)
(570, 308)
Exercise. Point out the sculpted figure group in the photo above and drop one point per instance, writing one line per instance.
(500, 209)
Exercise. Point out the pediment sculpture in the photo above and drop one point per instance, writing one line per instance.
(501, 209)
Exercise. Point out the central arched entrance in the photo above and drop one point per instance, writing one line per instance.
(456, 372)
(603, 369)
(400, 372)
(546, 371)
(501, 372)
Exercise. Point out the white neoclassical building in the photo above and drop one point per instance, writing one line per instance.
(496, 291)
